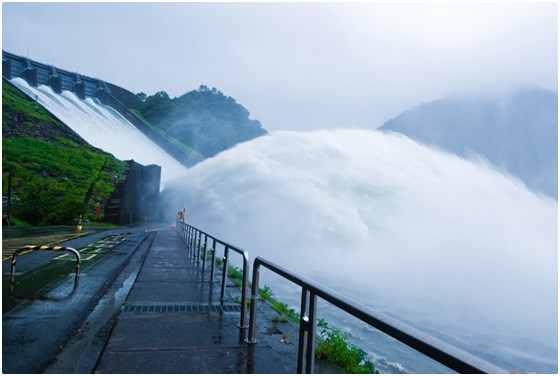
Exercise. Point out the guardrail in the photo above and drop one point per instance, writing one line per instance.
(193, 237)
(45, 248)
(438, 350)
(448, 355)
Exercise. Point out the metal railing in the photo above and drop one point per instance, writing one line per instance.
(438, 350)
(197, 240)
(45, 248)
(448, 355)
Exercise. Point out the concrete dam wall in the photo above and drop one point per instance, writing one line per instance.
(59, 80)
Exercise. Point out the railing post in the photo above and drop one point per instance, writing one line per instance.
(243, 322)
(311, 331)
(301, 339)
(198, 243)
(204, 255)
(224, 274)
(213, 261)
(253, 308)
(191, 236)
(306, 343)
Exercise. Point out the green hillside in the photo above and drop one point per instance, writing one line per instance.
(56, 175)
(203, 120)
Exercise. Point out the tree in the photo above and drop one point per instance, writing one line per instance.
(142, 96)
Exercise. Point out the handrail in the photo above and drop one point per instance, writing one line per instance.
(45, 248)
(193, 238)
(434, 348)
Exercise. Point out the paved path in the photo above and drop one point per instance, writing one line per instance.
(46, 308)
(172, 322)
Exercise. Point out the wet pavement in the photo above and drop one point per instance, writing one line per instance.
(173, 322)
(143, 306)
(45, 307)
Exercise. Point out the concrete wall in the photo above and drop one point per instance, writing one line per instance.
(136, 199)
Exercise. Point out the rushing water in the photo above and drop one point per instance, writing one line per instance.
(450, 246)
(104, 128)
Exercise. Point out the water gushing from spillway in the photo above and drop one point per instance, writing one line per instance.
(449, 246)
(104, 128)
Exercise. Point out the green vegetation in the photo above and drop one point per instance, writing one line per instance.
(334, 346)
(286, 314)
(203, 120)
(235, 275)
(13, 99)
(56, 176)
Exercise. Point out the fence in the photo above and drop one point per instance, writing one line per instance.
(446, 354)
(193, 237)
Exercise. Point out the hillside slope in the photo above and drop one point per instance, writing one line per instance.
(205, 120)
(517, 133)
(56, 175)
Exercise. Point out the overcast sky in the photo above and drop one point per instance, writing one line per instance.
(293, 65)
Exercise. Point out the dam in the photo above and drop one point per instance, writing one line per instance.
(103, 102)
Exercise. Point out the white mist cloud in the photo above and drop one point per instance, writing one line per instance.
(435, 235)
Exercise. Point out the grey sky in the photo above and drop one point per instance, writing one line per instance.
(297, 65)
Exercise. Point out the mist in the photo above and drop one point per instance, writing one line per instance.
(448, 245)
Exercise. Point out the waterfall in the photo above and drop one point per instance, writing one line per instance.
(104, 128)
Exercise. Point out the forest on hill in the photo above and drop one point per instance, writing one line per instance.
(204, 120)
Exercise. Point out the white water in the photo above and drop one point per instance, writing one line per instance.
(104, 128)
(452, 247)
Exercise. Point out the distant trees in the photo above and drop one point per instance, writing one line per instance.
(142, 96)
(204, 88)
(205, 119)
(155, 107)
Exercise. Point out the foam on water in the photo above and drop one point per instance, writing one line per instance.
(451, 246)
(104, 128)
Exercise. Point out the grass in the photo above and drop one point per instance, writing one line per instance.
(56, 178)
(285, 313)
(335, 346)
(235, 275)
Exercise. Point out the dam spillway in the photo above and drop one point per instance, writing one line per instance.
(104, 128)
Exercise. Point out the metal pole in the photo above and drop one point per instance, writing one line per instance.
(243, 322)
(213, 260)
(199, 242)
(254, 297)
(310, 351)
(224, 274)
(302, 329)
(204, 257)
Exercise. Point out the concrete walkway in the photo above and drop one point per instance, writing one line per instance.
(172, 322)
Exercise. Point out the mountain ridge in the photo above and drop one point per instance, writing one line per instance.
(205, 119)
(517, 133)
